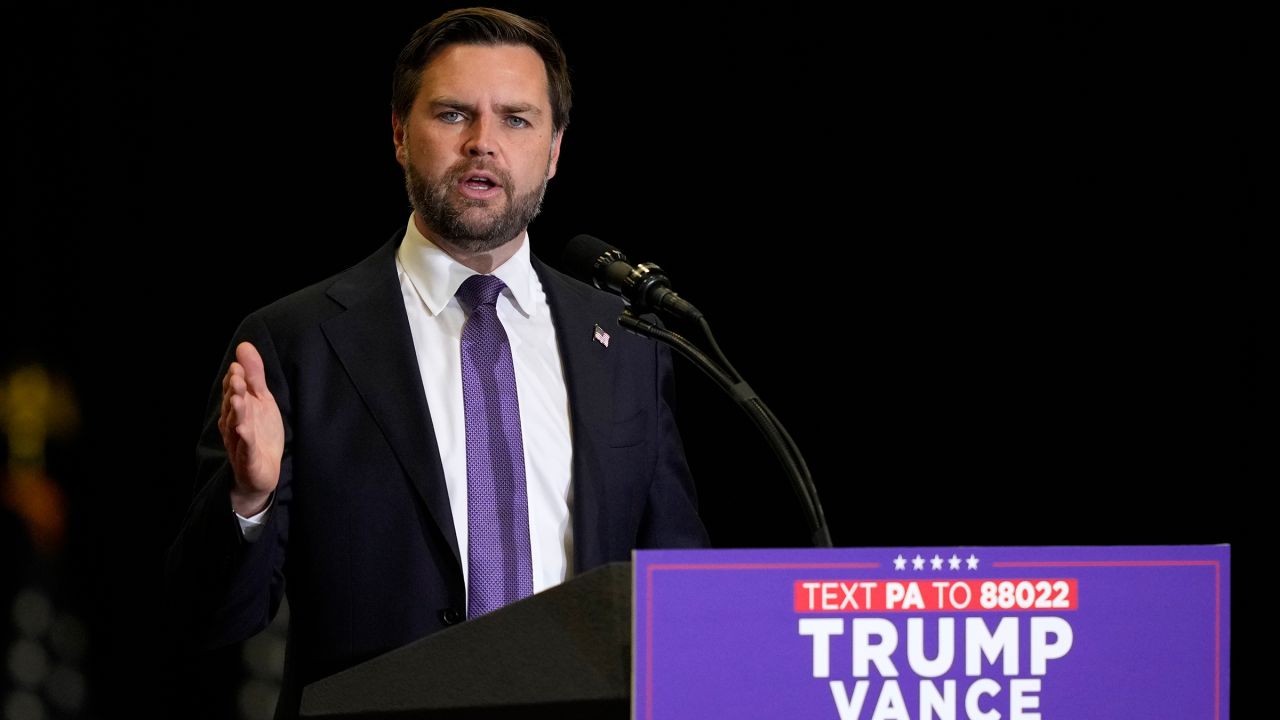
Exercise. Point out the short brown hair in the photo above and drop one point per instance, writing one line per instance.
(481, 26)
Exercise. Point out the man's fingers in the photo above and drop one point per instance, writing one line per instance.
(235, 369)
(236, 415)
(228, 419)
(254, 374)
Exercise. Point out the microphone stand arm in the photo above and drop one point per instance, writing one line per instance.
(779, 440)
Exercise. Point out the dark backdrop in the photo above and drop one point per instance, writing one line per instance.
(995, 272)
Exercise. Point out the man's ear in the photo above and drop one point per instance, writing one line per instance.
(398, 132)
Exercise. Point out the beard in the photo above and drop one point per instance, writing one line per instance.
(466, 223)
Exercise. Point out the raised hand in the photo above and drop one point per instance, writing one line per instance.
(252, 431)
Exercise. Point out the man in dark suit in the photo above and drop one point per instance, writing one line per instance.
(341, 450)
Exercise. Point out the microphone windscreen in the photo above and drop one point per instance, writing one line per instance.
(580, 255)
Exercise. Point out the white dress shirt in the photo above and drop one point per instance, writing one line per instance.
(428, 280)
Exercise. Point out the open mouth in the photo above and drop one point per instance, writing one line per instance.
(480, 183)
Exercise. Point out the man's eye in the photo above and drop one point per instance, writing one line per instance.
(517, 122)
(451, 116)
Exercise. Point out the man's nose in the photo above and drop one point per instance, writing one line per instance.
(481, 140)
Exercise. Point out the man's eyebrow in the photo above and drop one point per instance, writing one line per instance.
(517, 108)
(451, 103)
(508, 109)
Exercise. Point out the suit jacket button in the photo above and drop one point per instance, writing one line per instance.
(449, 616)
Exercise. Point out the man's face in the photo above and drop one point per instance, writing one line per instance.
(477, 147)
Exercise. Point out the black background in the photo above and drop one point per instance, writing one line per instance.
(997, 273)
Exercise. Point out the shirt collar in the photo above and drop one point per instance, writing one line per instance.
(437, 276)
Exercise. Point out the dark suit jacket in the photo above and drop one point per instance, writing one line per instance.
(360, 526)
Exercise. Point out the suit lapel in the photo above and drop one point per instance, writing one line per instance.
(374, 345)
(588, 371)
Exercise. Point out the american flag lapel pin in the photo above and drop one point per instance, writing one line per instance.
(600, 335)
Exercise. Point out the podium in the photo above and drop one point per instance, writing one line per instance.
(1099, 632)
(564, 652)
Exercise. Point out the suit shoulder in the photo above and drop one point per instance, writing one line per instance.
(576, 305)
(376, 274)
(572, 289)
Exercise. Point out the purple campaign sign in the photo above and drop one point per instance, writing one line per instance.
(974, 633)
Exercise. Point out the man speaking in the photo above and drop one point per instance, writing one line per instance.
(447, 426)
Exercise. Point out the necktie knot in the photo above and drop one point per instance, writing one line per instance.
(480, 290)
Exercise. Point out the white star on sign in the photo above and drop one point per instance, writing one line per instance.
(936, 562)
(954, 562)
(899, 563)
(973, 562)
(917, 562)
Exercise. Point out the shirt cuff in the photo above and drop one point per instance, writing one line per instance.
(251, 527)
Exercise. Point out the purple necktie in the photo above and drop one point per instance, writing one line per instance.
(499, 566)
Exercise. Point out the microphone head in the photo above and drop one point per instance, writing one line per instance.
(583, 254)
(645, 287)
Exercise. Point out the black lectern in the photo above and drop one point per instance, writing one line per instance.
(565, 653)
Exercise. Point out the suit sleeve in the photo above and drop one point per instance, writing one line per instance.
(222, 589)
(670, 518)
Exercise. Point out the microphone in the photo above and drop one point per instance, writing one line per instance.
(645, 286)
